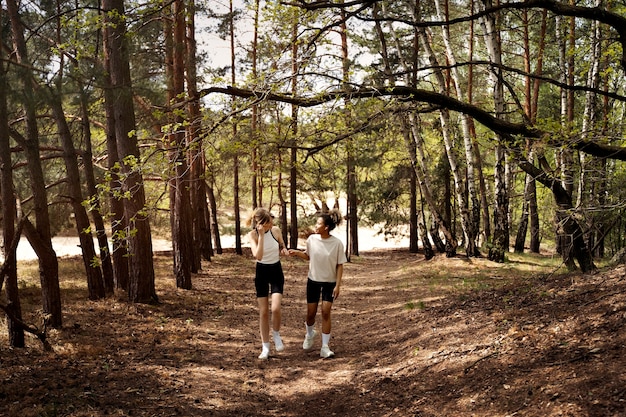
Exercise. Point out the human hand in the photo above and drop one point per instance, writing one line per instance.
(336, 293)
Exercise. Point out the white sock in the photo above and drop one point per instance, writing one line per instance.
(325, 339)
(310, 329)
(276, 335)
(266, 346)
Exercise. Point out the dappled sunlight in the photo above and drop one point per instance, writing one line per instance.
(444, 337)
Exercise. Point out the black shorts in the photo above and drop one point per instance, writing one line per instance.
(269, 278)
(314, 289)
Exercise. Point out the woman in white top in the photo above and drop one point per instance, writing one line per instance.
(326, 257)
(267, 244)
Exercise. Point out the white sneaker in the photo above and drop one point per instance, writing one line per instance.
(325, 352)
(278, 344)
(309, 340)
(265, 354)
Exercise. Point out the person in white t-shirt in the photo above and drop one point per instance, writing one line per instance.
(326, 257)
(267, 245)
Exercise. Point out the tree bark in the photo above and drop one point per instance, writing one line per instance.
(351, 180)
(141, 288)
(201, 227)
(469, 213)
(41, 234)
(500, 244)
(180, 201)
(293, 169)
(106, 262)
(9, 209)
(95, 283)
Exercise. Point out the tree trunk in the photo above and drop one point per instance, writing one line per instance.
(8, 214)
(119, 224)
(500, 244)
(470, 216)
(566, 222)
(141, 288)
(257, 199)
(351, 180)
(202, 247)
(215, 230)
(95, 283)
(293, 170)
(565, 156)
(48, 265)
(411, 133)
(413, 217)
(522, 230)
(482, 185)
(233, 79)
(182, 232)
(108, 275)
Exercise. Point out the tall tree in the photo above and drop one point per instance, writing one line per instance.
(8, 214)
(351, 215)
(180, 201)
(141, 288)
(491, 35)
(470, 206)
(95, 283)
(40, 235)
(293, 162)
(200, 218)
(233, 80)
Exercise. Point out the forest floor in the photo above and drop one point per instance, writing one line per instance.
(445, 337)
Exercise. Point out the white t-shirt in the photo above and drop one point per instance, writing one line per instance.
(324, 255)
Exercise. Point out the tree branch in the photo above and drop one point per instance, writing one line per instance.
(507, 130)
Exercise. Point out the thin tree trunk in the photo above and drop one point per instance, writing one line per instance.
(352, 206)
(293, 170)
(182, 232)
(119, 225)
(570, 229)
(41, 235)
(500, 243)
(95, 283)
(257, 201)
(215, 230)
(412, 137)
(233, 79)
(197, 159)
(108, 276)
(469, 215)
(9, 209)
(413, 217)
(564, 158)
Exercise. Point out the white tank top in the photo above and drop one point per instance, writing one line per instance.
(271, 253)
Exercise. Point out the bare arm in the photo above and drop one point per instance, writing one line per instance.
(299, 254)
(282, 249)
(338, 284)
(256, 242)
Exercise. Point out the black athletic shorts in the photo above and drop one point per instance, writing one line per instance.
(314, 289)
(269, 278)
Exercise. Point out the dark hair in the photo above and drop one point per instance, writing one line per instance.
(331, 219)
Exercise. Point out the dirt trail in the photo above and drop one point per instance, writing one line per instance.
(447, 337)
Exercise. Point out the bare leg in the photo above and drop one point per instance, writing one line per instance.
(276, 311)
(264, 319)
(311, 312)
(326, 306)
